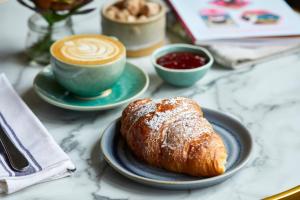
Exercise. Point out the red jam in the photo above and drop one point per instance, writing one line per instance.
(181, 60)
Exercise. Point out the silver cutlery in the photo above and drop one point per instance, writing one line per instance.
(16, 159)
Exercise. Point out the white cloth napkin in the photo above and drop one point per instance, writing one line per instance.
(235, 56)
(47, 160)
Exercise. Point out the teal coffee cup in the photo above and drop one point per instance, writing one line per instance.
(89, 64)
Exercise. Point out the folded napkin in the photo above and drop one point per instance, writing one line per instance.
(47, 160)
(235, 56)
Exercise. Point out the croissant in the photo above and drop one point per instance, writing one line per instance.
(173, 134)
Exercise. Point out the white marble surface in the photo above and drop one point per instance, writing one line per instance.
(266, 98)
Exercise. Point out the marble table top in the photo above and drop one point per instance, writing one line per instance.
(265, 97)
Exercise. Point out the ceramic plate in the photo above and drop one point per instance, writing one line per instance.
(133, 82)
(236, 137)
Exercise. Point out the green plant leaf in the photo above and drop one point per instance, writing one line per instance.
(27, 5)
(52, 17)
(81, 5)
(81, 12)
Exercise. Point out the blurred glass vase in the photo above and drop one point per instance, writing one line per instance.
(41, 35)
(51, 21)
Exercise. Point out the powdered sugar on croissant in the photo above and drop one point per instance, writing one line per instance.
(173, 134)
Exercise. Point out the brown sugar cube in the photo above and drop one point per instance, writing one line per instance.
(111, 12)
(131, 18)
(134, 6)
(122, 15)
(142, 18)
(120, 4)
(150, 9)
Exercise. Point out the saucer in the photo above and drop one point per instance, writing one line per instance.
(133, 82)
(237, 140)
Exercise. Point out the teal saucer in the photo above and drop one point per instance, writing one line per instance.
(133, 82)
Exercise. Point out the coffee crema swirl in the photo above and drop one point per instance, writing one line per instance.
(87, 49)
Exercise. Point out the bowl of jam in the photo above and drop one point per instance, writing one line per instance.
(181, 64)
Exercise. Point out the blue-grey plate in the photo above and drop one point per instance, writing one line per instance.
(133, 82)
(236, 137)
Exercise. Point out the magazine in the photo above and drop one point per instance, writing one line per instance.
(213, 21)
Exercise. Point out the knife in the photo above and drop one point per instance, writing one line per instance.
(16, 159)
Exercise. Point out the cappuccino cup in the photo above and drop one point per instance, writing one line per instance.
(87, 64)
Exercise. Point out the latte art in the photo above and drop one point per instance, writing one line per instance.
(89, 49)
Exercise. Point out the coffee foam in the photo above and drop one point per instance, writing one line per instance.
(87, 49)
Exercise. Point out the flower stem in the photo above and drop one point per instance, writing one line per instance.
(40, 49)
